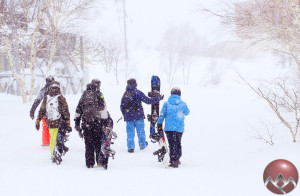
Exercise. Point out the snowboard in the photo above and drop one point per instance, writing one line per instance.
(105, 150)
(155, 91)
(159, 136)
(60, 149)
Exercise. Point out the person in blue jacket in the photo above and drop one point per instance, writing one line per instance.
(133, 113)
(174, 111)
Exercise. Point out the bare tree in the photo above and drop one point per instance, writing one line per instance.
(179, 48)
(265, 133)
(274, 24)
(282, 95)
(110, 56)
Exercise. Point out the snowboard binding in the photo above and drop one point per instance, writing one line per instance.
(155, 137)
(160, 153)
(107, 151)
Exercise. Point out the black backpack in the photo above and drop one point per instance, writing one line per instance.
(130, 103)
(90, 104)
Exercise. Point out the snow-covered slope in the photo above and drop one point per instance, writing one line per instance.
(219, 156)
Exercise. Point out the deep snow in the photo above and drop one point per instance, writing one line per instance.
(219, 156)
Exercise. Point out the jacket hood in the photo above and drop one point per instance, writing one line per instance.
(174, 99)
(130, 87)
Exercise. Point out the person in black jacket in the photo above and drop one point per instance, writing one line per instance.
(96, 123)
(43, 93)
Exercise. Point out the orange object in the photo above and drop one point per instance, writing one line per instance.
(45, 134)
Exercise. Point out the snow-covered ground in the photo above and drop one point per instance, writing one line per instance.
(219, 156)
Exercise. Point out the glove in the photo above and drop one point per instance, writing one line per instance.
(37, 124)
(159, 127)
(80, 134)
(31, 115)
(161, 97)
(77, 128)
(68, 127)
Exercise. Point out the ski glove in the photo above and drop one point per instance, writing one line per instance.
(159, 127)
(161, 97)
(77, 128)
(31, 115)
(68, 128)
(37, 124)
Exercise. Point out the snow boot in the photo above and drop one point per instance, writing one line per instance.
(131, 151)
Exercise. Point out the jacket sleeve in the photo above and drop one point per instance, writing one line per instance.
(78, 112)
(145, 99)
(42, 111)
(163, 114)
(186, 110)
(122, 105)
(38, 100)
(63, 108)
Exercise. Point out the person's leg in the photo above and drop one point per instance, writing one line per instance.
(178, 147)
(53, 133)
(140, 129)
(89, 148)
(130, 135)
(172, 145)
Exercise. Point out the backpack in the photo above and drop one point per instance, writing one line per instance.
(90, 105)
(130, 104)
(52, 108)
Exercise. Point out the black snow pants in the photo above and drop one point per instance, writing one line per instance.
(93, 134)
(174, 139)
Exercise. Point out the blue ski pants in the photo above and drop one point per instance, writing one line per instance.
(130, 128)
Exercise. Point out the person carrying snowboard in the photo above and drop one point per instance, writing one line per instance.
(133, 113)
(56, 109)
(96, 126)
(43, 92)
(173, 111)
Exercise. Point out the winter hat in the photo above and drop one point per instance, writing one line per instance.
(90, 86)
(176, 91)
(54, 85)
(96, 82)
(132, 81)
(49, 79)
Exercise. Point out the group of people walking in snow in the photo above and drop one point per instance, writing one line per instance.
(95, 125)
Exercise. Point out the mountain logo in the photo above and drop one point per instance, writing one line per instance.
(280, 176)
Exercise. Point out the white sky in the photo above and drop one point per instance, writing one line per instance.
(147, 20)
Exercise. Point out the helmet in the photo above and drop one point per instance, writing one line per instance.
(49, 79)
(96, 82)
(176, 91)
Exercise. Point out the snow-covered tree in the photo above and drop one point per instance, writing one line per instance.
(32, 30)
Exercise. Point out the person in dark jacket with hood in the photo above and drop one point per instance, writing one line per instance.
(173, 111)
(96, 122)
(133, 113)
(43, 93)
